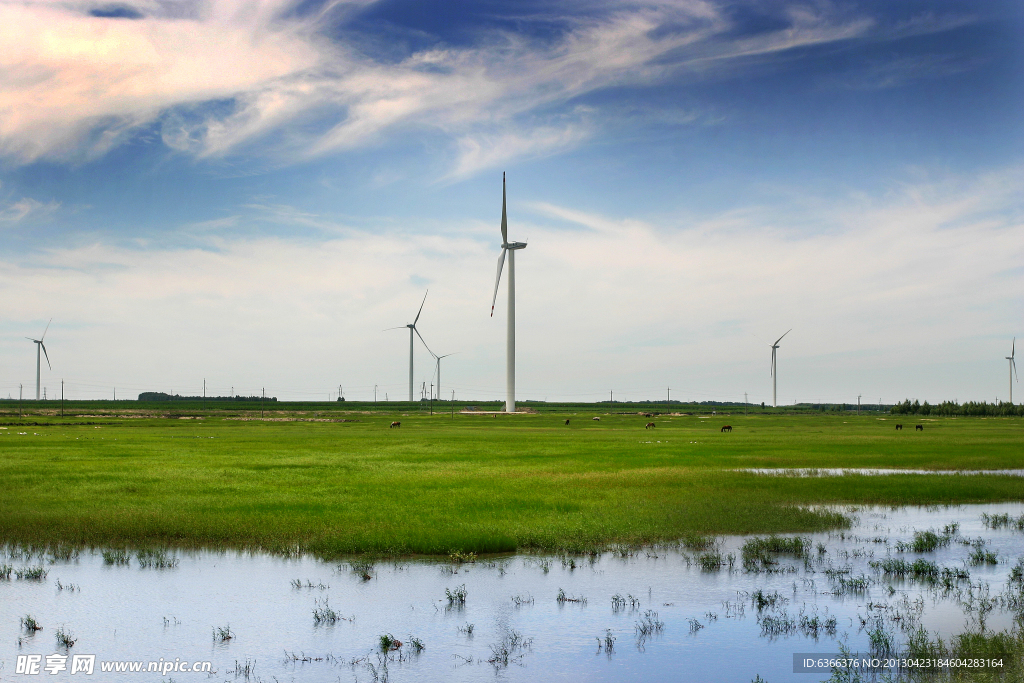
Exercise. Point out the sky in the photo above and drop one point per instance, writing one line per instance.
(250, 193)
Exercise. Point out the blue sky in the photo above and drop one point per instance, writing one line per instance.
(252, 192)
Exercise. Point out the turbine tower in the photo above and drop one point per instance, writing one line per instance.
(412, 328)
(40, 345)
(775, 370)
(1013, 367)
(510, 334)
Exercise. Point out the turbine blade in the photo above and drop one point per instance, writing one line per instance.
(400, 327)
(47, 355)
(424, 343)
(421, 308)
(497, 279)
(47, 328)
(504, 216)
(780, 338)
(1014, 364)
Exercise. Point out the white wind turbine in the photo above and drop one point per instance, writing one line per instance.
(510, 334)
(412, 328)
(437, 371)
(1013, 366)
(775, 369)
(40, 345)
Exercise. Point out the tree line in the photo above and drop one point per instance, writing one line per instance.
(970, 408)
(161, 396)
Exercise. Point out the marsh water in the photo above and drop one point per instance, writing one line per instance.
(702, 623)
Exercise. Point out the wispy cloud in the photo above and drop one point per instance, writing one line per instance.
(224, 77)
(16, 212)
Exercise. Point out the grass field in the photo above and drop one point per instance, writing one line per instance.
(474, 483)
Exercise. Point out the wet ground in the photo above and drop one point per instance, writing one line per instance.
(652, 614)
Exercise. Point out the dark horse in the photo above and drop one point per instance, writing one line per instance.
(899, 428)
(727, 428)
(919, 428)
(566, 423)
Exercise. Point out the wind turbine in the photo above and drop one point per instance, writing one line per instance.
(438, 370)
(412, 328)
(1013, 367)
(775, 370)
(40, 345)
(510, 334)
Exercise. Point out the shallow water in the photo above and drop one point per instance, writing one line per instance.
(870, 472)
(711, 631)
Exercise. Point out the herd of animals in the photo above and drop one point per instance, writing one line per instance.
(651, 425)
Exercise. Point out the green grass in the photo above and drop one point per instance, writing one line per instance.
(473, 484)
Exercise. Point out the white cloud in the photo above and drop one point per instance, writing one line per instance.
(912, 293)
(15, 212)
(221, 76)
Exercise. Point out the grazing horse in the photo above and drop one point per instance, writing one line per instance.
(650, 425)
(395, 424)
(596, 419)
(648, 414)
(899, 428)
(919, 428)
(727, 428)
(566, 423)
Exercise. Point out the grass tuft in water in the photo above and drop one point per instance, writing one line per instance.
(980, 556)
(649, 624)
(456, 597)
(65, 638)
(563, 598)
(155, 559)
(759, 553)
(222, 634)
(362, 568)
(31, 573)
(511, 648)
(762, 601)
(387, 643)
(1002, 521)
(710, 562)
(5, 572)
(324, 614)
(925, 542)
(116, 557)
(29, 623)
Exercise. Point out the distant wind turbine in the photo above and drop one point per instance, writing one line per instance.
(438, 370)
(412, 328)
(40, 345)
(510, 333)
(775, 369)
(1013, 366)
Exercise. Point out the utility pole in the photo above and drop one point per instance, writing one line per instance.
(19, 401)
(62, 398)
(453, 404)
(744, 403)
(204, 394)
(431, 398)
(374, 394)
(262, 399)
(668, 395)
(115, 393)
(858, 404)
(611, 397)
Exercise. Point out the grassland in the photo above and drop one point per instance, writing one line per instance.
(475, 483)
